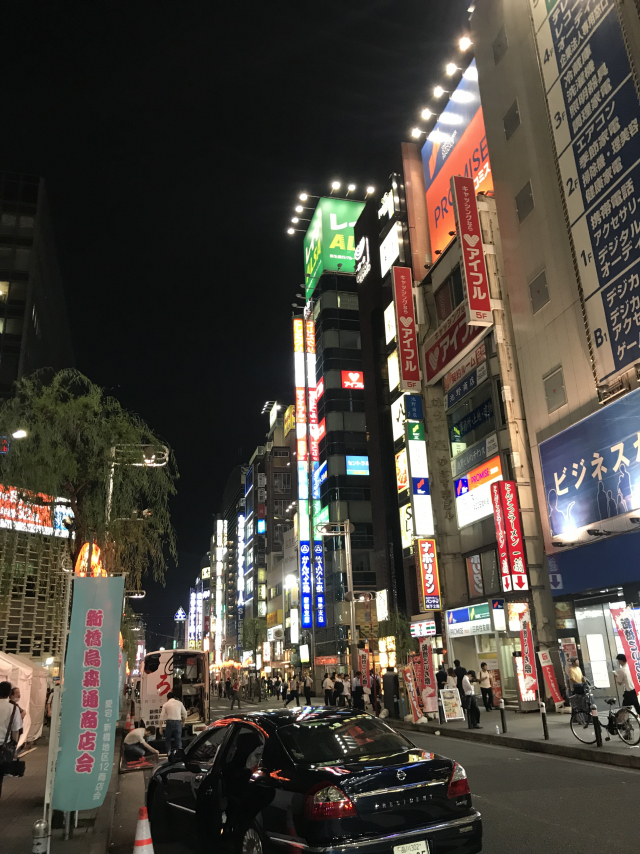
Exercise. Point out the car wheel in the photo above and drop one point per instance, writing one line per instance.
(251, 841)
(159, 817)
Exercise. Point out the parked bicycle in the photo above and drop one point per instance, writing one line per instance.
(622, 721)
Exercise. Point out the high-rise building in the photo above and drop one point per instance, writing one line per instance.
(233, 512)
(559, 91)
(34, 328)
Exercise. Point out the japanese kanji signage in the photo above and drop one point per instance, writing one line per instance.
(429, 582)
(476, 281)
(452, 340)
(412, 692)
(594, 110)
(90, 695)
(470, 363)
(408, 357)
(318, 568)
(550, 676)
(305, 583)
(530, 679)
(466, 385)
(628, 634)
(429, 685)
(590, 470)
(511, 549)
(363, 664)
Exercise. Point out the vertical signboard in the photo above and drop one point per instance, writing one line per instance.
(528, 657)
(305, 583)
(418, 479)
(430, 686)
(549, 675)
(318, 568)
(90, 699)
(429, 582)
(451, 341)
(511, 549)
(594, 110)
(363, 664)
(474, 270)
(628, 634)
(409, 361)
(414, 702)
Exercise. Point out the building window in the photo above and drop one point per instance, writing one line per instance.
(554, 390)
(511, 121)
(539, 292)
(348, 301)
(4, 291)
(18, 292)
(500, 45)
(278, 535)
(449, 295)
(22, 258)
(275, 591)
(281, 452)
(349, 340)
(282, 482)
(13, 326)
(524, 202)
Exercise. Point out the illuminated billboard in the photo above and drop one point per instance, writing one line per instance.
(44, 516)
(329, 244)
(358, 465)
(456, 146)
(473, 492)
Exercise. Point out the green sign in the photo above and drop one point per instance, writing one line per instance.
(416, 431)
(329, 245)
(479, 612)
(322, 517)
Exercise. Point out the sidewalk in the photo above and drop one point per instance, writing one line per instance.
(524, 732)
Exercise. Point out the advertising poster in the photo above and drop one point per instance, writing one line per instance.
(628, 634)
(329, 244)
(496, 686)
(429, 684)
(90, 695)
(363, 664)
(451, 704)
(429, 581)
(402, 472)
(409, 360)
(528, 657)
(474, 576)
(475, 278)
(412, 693)
(473, 492)
(549, 675)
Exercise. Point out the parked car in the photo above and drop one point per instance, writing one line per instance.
(291, 780)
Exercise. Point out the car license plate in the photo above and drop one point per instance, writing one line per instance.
(421, 847)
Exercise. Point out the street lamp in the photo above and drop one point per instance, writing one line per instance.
(19, 434)
(152, 457)
(345, 529)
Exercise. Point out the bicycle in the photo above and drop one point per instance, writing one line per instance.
(622, 722)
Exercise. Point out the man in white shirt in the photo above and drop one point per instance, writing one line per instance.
(172, 714)
(471, 704)
(9, 717)
(346, 681)
(308, 685)
(623, 678)
(135, 744)
(327, 686)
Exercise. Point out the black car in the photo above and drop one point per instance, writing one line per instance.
(316, 780)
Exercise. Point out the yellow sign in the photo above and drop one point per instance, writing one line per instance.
(274, 618)
(289, 419)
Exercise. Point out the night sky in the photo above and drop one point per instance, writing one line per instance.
(174, 138)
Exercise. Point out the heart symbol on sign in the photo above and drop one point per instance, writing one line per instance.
(354, 377)
(470, 239)
(405, 321)
(433, 358)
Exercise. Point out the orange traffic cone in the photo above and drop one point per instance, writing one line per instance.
(127, 723)
(143, 843)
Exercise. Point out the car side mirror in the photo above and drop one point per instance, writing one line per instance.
(176, 756)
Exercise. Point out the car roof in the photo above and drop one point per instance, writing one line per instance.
(283, 717)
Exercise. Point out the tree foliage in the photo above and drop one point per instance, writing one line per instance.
(72, 427)
(254, 633)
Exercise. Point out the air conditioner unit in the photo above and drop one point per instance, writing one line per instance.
(278, 634)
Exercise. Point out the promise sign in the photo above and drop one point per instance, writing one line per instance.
(427, 566)
(408, 359)
(476, 282)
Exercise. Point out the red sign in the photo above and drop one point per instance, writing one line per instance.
(628, 634)
(409, 681)
(408, 358)
(475, 276)
(320, 430)
(476, 357)
(451, 341)
(427, 565)
(313, 420)
(528, 657)
(416, 659)
(353, 379)
(17, 512)
(429, 684)
(496, 686)
(310, 338)
(320, 388)
(363, 664)
(501, 536)
(322, 660)
(474, 576)
(513, 528)
(549, 675)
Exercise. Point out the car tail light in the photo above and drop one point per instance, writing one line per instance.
(458, 784)
(328, 802)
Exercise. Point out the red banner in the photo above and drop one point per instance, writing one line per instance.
(475, 276)
(363, 664)
(451, 341)
(628, 634)
(501, 536)
(427, 565)
(513, 528)
(416, 659)
(549, 675)
(409, 681)
(408, 357)
(528, 657)
(429, 684)
(496, 686)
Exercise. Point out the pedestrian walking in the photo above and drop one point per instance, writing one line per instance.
(308, 685)
(623, 678)
(346, 681)
(227, 688)
(470, 702)
(172, 715)
(338, 691)
(441, 677)
(327, 686)
(294, 691)
(220, 688)
(235, 693)
(135, 744)
(460, 672)
(486, 686)
(14, 698)
(10, 722)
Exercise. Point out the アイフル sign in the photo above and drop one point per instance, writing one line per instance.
(451, 341)
(475, 278)
(408, 358)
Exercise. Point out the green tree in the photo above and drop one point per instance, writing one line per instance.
(398, 626)
(72, 426)
(254, 634)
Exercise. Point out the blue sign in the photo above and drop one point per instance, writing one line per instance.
(413, 407)
(465, 386)
(458, 615)
(180, 615)
(261, 526)
(358, 465)
(420, 485)
(475, 455)
(248, 481)
(595, 119)
(461, 486)
(305, 583)
(318, 561)
(90, 698)
(319, 477)
(474, 419)
(591, 471)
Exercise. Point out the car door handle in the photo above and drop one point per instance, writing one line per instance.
(199, 777)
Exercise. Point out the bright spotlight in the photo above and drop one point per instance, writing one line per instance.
(335, 185)
(291, 231)
(451, 69)
(416, 133)
(438, 92)
(465, 43)
(303, 197)
(426, 114)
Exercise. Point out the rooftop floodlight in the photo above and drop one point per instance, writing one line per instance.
(295, 219)
(438, 91)
(416, 132)
(303, 197)
(299, 208)
(351, 188)
(451, 69)
(19, 434)
(291, 231)
(335, 185)
(465, 43)
(426, 114)
(370, 190)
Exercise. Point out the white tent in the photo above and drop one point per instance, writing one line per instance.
(19, 671)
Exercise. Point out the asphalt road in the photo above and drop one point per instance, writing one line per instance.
(535, 804)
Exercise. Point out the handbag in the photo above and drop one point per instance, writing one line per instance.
(9, 766)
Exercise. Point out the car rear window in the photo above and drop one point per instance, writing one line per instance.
(323, 740)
